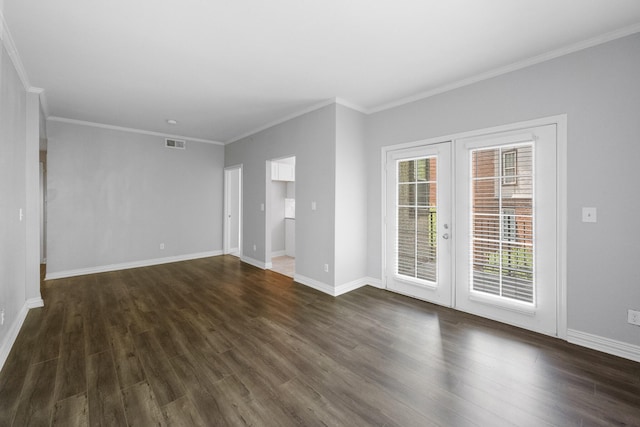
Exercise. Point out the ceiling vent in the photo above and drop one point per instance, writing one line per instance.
(175, 143)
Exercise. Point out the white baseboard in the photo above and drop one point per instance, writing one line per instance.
(350, 286)
(127, 265)
(376, 283)
(10, 338)
(606, 345)
(315, 284)
(340, 289)
(255, 262)
(34, 303)
(278, 253)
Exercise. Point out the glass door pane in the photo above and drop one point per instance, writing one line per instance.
(416, 211)
(418, 257)
(502, 222)
(506, 227)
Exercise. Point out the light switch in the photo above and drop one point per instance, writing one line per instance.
(589, 215)
(262, 207)
(313, 206)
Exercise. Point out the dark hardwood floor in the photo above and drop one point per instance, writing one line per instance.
(214, 342)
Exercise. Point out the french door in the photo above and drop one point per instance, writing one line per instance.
(506, 220)
(495, 254)
(418, 222)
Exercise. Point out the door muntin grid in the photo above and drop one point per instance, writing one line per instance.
(416, 217)
(502, 220)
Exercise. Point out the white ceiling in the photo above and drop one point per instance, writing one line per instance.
(226, 68)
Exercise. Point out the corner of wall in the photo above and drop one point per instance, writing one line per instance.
(10, 338)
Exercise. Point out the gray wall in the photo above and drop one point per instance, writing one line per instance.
(13, 192)
(311, 139)
(19, 185)
(331, 170)
(278, 194)
(114, 196)
(599, 90)
(351, 197)
(234, 210)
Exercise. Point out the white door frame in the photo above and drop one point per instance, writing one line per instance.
(226, 249)
(267, 208)
(43, 217)
(561, 238)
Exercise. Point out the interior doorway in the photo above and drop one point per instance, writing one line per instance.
(281, 216)
(233, 211)
(43, 213)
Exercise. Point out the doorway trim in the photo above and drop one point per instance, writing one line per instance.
(226, 249)
(267, 208)
(561, 185)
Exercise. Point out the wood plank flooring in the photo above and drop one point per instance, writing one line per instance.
(214, 342)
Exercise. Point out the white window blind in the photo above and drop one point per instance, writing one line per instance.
(502, 248)
(417, 219)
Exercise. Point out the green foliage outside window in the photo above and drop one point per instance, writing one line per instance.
(516, 262)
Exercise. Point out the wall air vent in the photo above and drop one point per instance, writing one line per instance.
(175, 143)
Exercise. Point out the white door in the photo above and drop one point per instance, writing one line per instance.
(418, 260)
(233, 210)
(506, 222)
(504, 264)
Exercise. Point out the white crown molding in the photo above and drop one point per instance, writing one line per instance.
(281, 120)
(604, 38)
(299, 113)
(132, 130)
(10, 46)
(351, 105)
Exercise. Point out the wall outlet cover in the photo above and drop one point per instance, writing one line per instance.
(589, 215)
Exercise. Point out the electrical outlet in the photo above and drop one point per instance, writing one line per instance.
(2, 317)
(161, 246)
(589, 215)
(634, 317)
(254, 248)
(326, 268)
